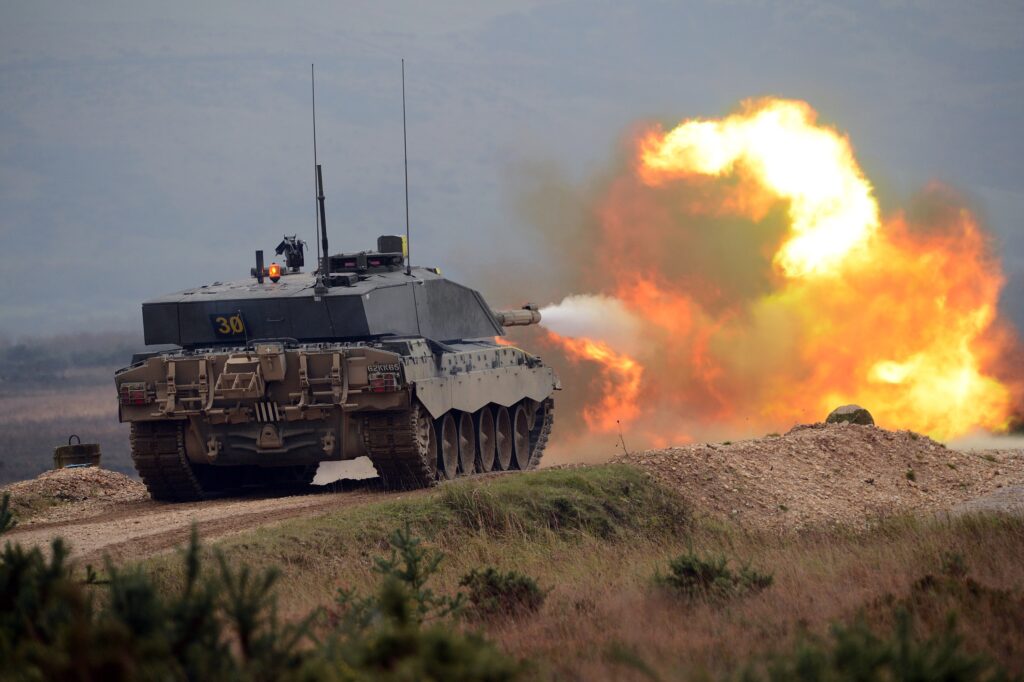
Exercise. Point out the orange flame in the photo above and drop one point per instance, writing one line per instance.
(820, 302)
(620, 386)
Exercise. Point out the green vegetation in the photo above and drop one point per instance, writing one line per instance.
(607, 502)
(508, 522)
(493, 593)
(7, 521)
(911, 476)
(409, 567)
(421, 572)
(855, 652)
(224, 624)
(710, 578)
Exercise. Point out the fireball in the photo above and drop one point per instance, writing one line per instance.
(771, 288)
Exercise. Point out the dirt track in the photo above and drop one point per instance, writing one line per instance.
(140, 529)
(813, 475)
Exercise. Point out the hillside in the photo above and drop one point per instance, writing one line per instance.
(600, 542)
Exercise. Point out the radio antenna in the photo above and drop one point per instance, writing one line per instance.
(316, 214)
(318, 200)
(405, 150)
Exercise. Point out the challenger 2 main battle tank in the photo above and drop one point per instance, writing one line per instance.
(366, 355)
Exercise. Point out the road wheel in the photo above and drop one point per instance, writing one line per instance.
(467, 444)
(448, 447)
(521, 438)
(485, 439)
(503, 438)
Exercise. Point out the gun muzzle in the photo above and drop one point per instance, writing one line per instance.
(526, 315)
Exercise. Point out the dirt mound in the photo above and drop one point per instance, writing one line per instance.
(78, 488)
(832, 474)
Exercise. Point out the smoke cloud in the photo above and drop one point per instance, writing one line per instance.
(734, 277)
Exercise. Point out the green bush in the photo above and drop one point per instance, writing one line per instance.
(7, 521)
(856, 653)
(220, 624)
(409, 568)
(493, 594)
(384, 637)
(711, 578)
(223, 624)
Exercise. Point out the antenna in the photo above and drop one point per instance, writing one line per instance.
(325, 271)
(316, 214)
(322, 252)
(405, 150)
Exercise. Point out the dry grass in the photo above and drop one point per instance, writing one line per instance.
(597, 536)
(588, 625)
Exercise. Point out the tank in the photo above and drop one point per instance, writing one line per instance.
(270, 375)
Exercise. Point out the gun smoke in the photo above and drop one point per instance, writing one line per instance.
(738, 276)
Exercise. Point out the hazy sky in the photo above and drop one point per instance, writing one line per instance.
(148, 147)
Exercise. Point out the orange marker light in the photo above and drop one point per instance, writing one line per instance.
(274, 272)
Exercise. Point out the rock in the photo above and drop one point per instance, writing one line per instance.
(853, 414)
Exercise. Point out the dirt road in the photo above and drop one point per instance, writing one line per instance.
(810, 476)
(144, 528)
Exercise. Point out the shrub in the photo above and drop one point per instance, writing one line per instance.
(382, 636)
(409, 568)
(220, 624)
(854, 652)
(223, 624)
(493, 593)
(695, 577)
(7, 521)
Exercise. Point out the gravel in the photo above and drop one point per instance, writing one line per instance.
(64, 493)
(829, 475)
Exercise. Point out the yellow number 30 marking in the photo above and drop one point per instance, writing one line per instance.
(228, 326)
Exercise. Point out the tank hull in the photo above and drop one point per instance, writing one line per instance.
(208, 421)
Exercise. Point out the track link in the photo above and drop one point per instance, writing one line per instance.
(158, 451)
(541, 431)
(399, 447)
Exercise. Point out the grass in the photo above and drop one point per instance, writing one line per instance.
(596, 537)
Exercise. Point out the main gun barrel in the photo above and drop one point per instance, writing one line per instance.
(520, 317)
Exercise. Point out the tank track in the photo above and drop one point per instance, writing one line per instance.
(540, 432)
(158, 451)
(399, 449)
